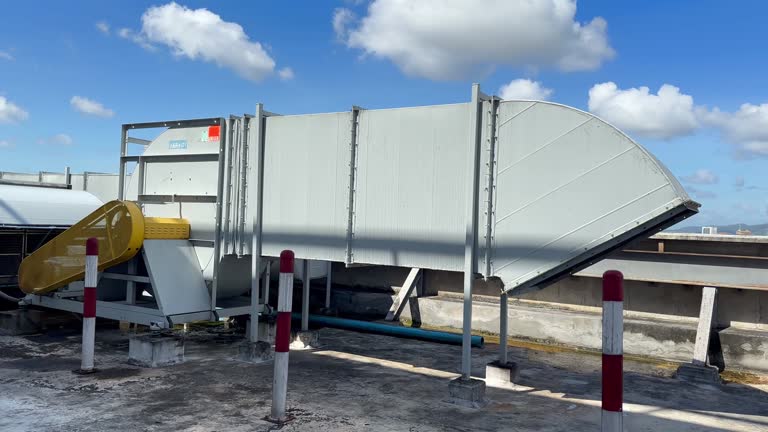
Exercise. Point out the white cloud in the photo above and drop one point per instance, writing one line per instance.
(703, 176)
(10, 112)
(739, 182)
(524, 89)
(200, 34)
(746, 128)
(60, 139)
(90, 107)
(6, 56)
(5, 143)
(136, 38)
(454, 39)
(342, 18)
(667, 114)
(285, 74)
(103, 27)
(700, 193)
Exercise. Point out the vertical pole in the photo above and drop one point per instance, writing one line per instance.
(328, 285)
(121, 172)
(470, 243)
(305, 298)
(68, 177)
(503, 324)
(255, 188)
(282, 336)
(219, 203)
(267, 277)
(89, 304)
(613, 351)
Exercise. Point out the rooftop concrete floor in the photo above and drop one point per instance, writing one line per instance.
(354, 382)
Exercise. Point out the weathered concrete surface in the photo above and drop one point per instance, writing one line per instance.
(155, 349)
(255, 352)
(501, 373)
(357, 382)
(702, 374)
(739, 308)
(742, 349)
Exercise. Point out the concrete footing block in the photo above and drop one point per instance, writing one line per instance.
(305, 339)
(699, 374)
(501, 373)
(255, 352)
(468, 392)
(19, 322)
(155, 349)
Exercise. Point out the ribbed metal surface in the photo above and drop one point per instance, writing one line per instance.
(306, 176)
(567, 183)
(409, 203)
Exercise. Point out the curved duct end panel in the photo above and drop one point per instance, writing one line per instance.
(570, 188)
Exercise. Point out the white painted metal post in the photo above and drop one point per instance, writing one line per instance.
(255, 198)
(282, 336)
(89, 304)
(704, 329)
(470, 246)
(328, 285)
(503, 323)
(267, 277)
(305, 298)
(613, 352)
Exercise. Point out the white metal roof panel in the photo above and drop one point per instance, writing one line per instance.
(29, 206)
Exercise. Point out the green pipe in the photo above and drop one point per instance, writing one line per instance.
(390, 330)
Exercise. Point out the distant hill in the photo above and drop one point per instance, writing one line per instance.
(761, 229)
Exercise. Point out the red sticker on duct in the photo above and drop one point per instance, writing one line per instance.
(214, 132)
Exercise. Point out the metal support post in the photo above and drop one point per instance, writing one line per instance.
(255, 183)
(470, 243)
(68, 177)
(613, 352)
(121, 172)
(282, 337)
(503, 327)
(219, 203)
(328, 285)
(305, 298)
(89, 305)
(266, 280)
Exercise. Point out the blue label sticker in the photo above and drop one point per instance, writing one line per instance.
(177, 144)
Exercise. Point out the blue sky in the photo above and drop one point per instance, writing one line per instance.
(66, 85)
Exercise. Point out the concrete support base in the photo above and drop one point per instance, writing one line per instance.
(501, 373)
(700, 374)
(255, 352)
(468, 392)
(306, 339)
(21, 322)
(155, 349)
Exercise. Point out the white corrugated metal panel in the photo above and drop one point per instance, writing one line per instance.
(568, 183)
(410, 202)
(39, 206)
(306, 172)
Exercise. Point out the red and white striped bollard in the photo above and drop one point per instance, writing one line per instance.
(89, 304)
(282, 336)
(613, 351)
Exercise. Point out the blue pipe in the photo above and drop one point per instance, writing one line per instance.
(390, 330)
